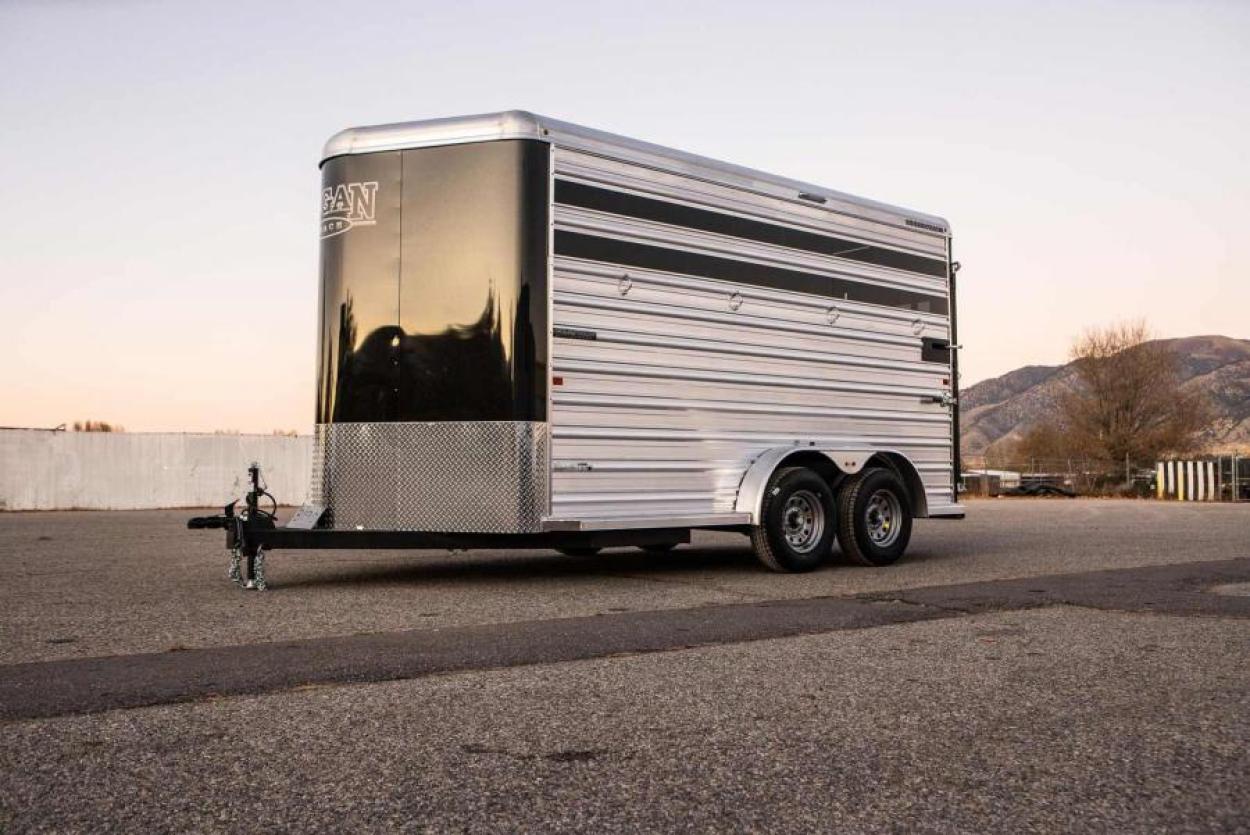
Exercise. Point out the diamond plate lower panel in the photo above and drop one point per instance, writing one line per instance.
(462, 477)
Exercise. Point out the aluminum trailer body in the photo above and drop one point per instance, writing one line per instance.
(531, 328)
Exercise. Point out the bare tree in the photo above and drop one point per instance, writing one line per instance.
(97, 426)
(1128, 399)
(1047, 441)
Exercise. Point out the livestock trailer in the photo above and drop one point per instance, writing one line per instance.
(535, 334)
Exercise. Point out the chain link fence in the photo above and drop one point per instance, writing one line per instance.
(1224, 478)
(986, 475)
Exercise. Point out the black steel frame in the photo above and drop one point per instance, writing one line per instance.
(254, 531)
(289, 538)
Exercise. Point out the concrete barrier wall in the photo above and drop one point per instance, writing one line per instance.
(42, 470)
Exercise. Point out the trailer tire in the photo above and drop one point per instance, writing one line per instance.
(580, 550)
(874, 517)
(797, 521)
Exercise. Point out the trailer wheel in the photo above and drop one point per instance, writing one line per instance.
(797, 521)
(874, 517)
(580, 550)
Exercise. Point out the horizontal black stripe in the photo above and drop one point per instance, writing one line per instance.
(645, 208)
(613, 251)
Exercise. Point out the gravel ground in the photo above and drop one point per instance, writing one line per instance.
(1049, 720)
(79, 584)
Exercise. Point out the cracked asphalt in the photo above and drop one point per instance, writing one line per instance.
(1040, 666)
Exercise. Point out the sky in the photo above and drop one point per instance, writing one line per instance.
(158, 244)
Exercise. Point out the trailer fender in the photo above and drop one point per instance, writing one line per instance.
(846, 461)
(907, 471)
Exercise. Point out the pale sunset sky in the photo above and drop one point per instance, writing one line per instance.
(158, 231)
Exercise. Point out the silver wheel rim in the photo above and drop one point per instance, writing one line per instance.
(803, 521)
(883, 515)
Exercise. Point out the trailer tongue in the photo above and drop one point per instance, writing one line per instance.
(253, 531)
(537, 335)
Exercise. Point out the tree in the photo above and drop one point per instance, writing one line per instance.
(97, 426)
(1047, 441)
(1128, 399)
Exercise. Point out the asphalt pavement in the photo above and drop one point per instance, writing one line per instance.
(1040, 666)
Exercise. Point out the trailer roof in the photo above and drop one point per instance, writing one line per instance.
(520, 124)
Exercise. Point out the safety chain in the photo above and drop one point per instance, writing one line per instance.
(257, 583)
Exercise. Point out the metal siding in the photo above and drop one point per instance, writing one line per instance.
(518, 124)
(662, 412)
(705, 192)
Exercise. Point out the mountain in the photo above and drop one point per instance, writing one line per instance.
(1006, 407)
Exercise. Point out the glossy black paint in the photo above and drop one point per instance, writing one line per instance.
(436, 308)
(359, 298)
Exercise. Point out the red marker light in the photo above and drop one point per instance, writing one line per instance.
(557, 381)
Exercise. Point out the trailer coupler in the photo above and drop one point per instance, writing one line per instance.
(247, 554)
